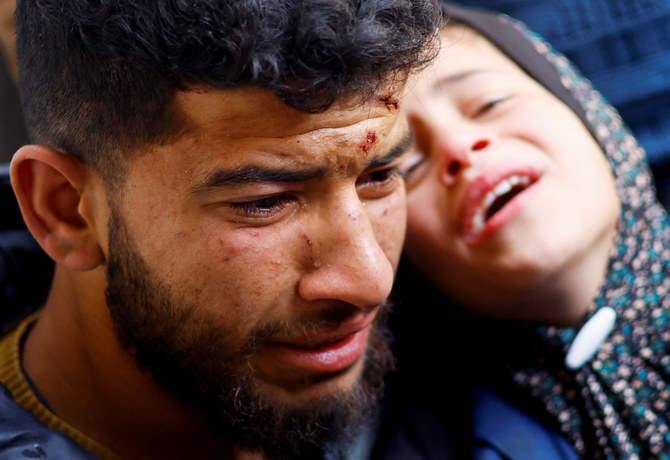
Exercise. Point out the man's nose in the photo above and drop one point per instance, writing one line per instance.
(347, 262)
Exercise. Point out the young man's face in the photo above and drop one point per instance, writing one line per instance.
(508, 189)
(253, 257)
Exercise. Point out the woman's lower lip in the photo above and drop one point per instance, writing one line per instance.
(329, 359)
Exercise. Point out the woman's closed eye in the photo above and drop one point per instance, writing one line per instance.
(414, 168)
(490, 105)
(410, 166)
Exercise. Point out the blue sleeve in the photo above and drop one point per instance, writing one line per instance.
(22, 436)
(502, 431)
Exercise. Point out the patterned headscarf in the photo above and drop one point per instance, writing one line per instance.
(617, 405)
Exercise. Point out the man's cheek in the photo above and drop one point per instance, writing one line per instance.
(244, 266)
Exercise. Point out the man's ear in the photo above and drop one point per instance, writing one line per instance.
(49, 186)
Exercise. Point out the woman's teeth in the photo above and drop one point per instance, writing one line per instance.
(495, 199)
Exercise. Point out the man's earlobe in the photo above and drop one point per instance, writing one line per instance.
(49, 187)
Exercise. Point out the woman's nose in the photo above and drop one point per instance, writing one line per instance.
(450, 142)
(455, 150)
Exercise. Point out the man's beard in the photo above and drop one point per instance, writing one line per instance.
(190, 354)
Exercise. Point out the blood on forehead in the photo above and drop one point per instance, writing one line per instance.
(391, 101)
(369, 142)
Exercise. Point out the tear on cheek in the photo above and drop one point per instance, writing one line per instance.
(369, 142)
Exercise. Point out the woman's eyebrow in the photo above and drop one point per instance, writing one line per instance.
(456, 78)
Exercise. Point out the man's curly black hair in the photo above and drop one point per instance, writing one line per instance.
(98, 76)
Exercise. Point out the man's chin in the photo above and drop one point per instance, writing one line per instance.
(301, 389)
(325, 411)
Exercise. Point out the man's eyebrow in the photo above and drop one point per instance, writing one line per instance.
(255, 174)
(396, 151)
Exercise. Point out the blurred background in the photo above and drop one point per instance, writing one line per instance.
(12, 132)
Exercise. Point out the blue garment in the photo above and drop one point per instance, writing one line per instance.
(501, 431)
(461, 423)
(22, 436)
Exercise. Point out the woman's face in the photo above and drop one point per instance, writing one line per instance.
(509, 195)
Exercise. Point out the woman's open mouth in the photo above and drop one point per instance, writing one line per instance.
(495, 199)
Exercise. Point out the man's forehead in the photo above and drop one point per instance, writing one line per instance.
(253, 112)
(250, 135)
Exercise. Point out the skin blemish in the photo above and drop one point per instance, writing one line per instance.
(391, 102)
(369, 142)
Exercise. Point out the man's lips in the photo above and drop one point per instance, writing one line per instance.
(491, 200)
(324, 351)
(328, 359)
